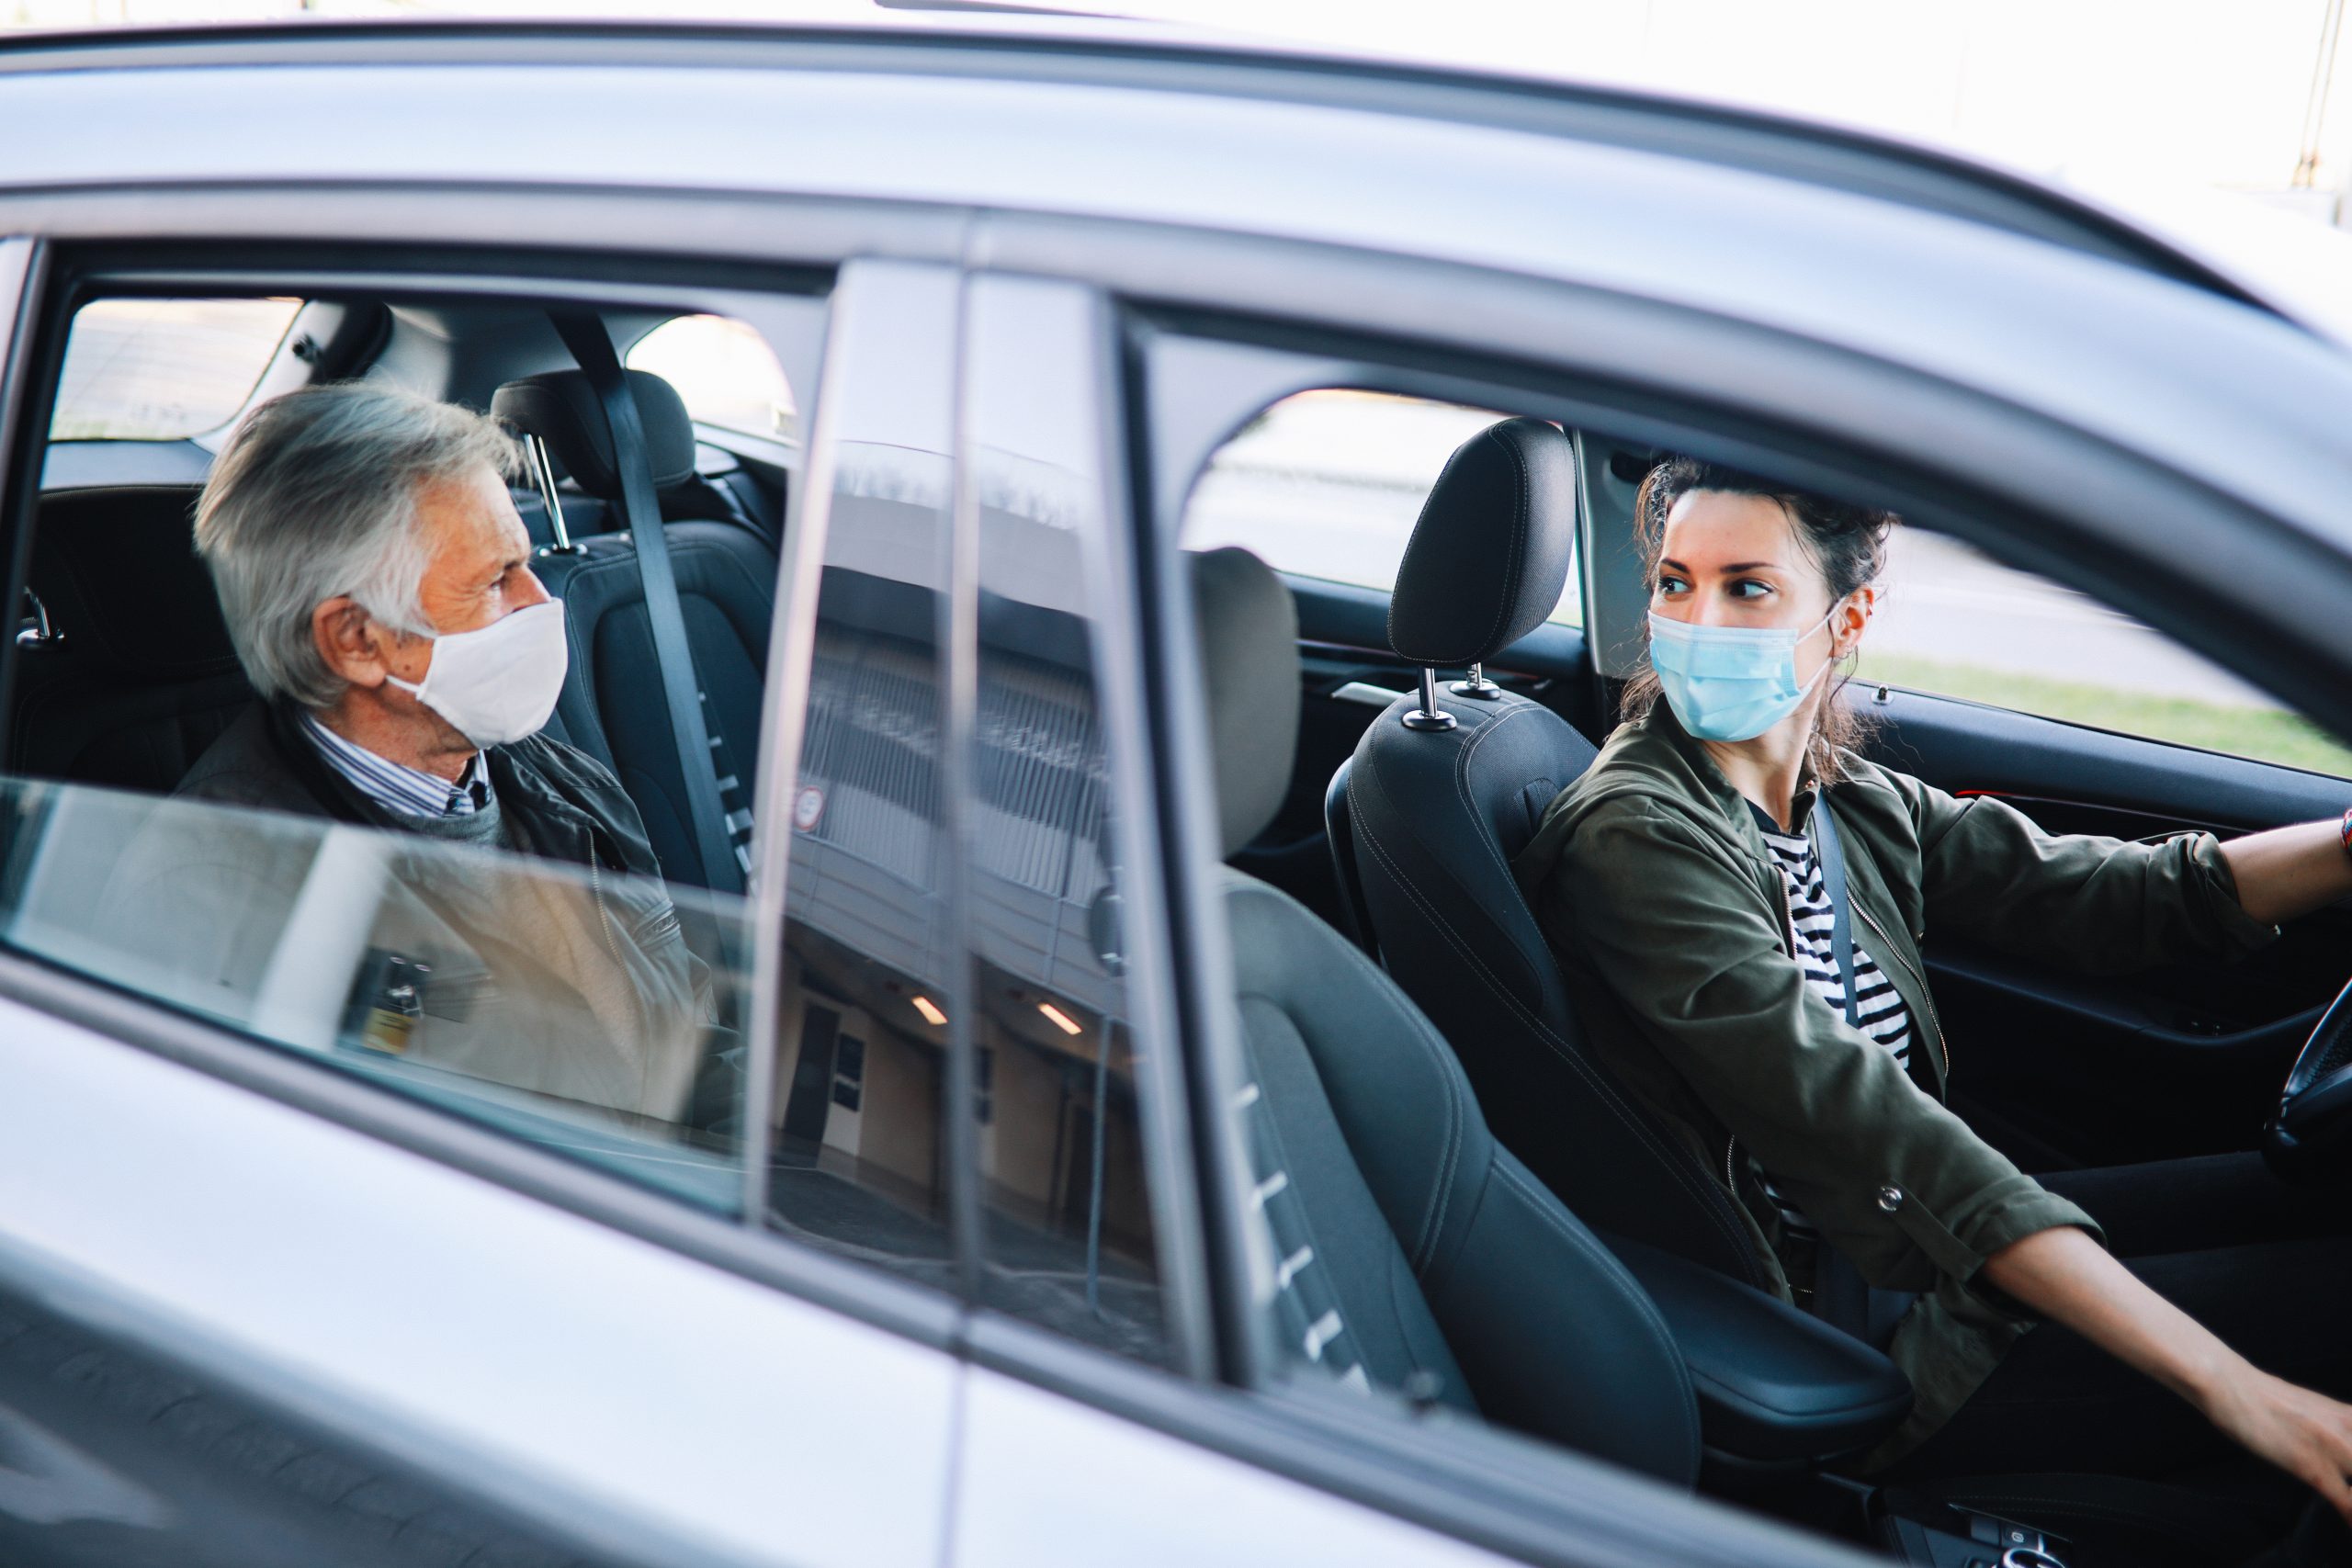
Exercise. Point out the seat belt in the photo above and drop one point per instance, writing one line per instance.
(1833, 880)
(1840, 1295)
(583, 332)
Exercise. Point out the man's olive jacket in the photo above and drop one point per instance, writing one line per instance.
(1652, 883)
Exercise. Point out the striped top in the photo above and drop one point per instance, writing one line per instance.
(397, 787)
(1884, 1017)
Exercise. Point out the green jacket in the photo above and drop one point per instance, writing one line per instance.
(1653, 887)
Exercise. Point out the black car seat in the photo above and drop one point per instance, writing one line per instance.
(612, 705)
(125, 671)
(1428, 814)
(1425, 1247)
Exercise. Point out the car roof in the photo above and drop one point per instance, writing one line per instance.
(973, 36)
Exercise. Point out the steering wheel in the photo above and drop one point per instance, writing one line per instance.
(2310, 1139)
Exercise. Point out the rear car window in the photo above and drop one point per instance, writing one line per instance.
(164, 369)
(1330, 483)
(725, 372)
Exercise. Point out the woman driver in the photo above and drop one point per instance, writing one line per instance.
(1678, 885)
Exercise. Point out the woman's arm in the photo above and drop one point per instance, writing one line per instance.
(2288, 871)
(2070, 1279)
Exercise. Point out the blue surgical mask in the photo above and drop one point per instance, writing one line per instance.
(1730, 683)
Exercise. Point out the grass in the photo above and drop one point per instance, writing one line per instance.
(2267, 735)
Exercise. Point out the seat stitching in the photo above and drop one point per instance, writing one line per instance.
(1708, 1196)
(1432, 1223)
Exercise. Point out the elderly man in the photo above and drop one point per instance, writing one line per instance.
(377, 584)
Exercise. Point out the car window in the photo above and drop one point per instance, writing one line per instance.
(555, 1000)
(1070, 1232)
(726, 373)
(954, 891)
(1955, 623)
(1330, 483)
(164, 369)
(546, 949)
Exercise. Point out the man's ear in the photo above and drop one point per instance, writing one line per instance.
(349, 640)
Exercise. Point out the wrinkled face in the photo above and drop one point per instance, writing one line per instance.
(478, 570)
(1737, 560)
(479, 556)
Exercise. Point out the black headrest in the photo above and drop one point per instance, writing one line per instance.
(118, 571)
(560, 409)
(1249, 636)
(1490, 554)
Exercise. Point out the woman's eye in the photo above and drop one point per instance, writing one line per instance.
(1667, 584)
(1749, 588)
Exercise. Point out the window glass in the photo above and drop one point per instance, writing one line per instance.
(726, 373)
(1069, 1234)
(952, 885)
(1955, 623)
(558, 1002)
(1330, 483)
(875, 996)
(164, 369)
(538, 954)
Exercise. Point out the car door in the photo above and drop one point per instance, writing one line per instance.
(270, 1294)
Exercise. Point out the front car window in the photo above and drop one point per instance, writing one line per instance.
(1955, 623)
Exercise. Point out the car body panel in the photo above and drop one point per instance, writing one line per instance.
(607, 1387)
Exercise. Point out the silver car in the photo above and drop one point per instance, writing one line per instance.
(1073, 1168)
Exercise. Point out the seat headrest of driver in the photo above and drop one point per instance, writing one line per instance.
(1248, 627)
(560, 409)
(1490, 555)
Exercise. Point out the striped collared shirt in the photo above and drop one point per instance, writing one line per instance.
(396, 788)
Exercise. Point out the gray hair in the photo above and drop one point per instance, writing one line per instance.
(315, 496)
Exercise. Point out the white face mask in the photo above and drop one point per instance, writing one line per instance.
(498, 684)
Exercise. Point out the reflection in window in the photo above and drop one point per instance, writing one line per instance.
(871, 987)
(1069, 1237)
(561, 1004)
(164, 369)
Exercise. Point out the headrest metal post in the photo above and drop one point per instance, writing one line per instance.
(35, 630)
(1429, 716)
(543, 474)
(1477, 686)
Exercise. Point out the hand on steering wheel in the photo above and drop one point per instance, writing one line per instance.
(2310, 1138)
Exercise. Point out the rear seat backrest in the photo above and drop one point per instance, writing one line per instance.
(612, 705)
(141, 676)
